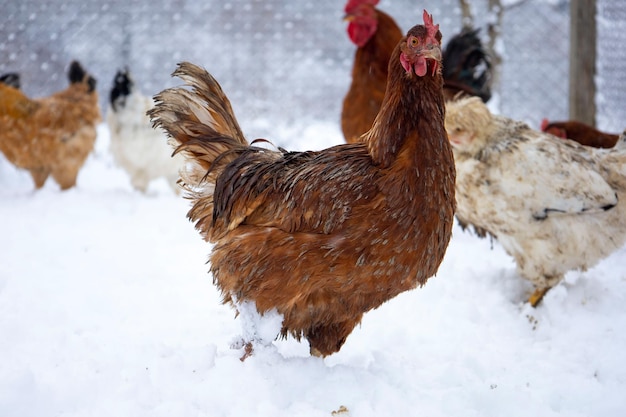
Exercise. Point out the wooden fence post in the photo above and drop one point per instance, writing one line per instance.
(582, 61)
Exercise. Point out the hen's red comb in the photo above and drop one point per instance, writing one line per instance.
(430, 25)
(353, 3)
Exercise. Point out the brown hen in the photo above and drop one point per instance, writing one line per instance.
(51, 135)
(376, 35)
(321, 237)
(579, 132)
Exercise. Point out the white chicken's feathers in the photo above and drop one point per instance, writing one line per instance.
(142, 151)
(553, 204)
(541, 171)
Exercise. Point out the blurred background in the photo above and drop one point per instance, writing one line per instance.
(286, 63)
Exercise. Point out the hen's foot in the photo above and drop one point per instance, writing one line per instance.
(248, 350)
(537, 296)
(316, 353)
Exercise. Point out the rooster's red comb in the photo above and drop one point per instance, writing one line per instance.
(354, 3)
(430, 25)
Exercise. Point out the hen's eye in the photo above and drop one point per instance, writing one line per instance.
(413, 41)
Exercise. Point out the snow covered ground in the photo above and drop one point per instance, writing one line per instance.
(106, 309)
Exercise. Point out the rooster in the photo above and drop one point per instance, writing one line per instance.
(52, 135)
(321, 237)
(554, 205)
(579, 132)
(375, 34)
(466, 65)
(135, 145)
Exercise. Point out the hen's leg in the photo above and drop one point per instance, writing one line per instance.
(328, 339)
(537, 296)
(39, 175)
(140, 182)
(66, 176)
(314, 352)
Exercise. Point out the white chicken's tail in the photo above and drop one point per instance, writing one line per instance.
(614, 163)
(621, 142)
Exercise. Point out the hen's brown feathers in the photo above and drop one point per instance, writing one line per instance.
(203, 111)
(14, 103)
(206, 95)
(295, 192)
(580, 132)
(322, 237)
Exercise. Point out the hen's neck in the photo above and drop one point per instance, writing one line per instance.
(413, 111)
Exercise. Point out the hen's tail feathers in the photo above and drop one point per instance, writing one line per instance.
(78, 75)
(614, 162)
(621, 142)
(12, 79)
(122, 88)
(200, 123)
(467, 66)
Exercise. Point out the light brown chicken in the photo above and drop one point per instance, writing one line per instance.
(321, 237)
(52, 135)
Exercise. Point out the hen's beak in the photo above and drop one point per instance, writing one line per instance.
(432, 52)
(348, 18)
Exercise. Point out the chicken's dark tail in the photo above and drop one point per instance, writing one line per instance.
(11, 79)
(467, 66)
(77, 74)
(201, 124)
(122, 87)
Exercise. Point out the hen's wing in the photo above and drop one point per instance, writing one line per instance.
(545, 176)
(311, 192)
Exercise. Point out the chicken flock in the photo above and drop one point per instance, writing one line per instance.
(322, 237)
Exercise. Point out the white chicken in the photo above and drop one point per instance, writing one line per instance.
(138, 148)
(554, 205)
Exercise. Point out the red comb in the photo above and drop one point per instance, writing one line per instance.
(430, 25)
(353, 3)
(544, 124)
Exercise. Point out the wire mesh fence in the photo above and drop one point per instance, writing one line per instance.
(286, 62)
(611, 65)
